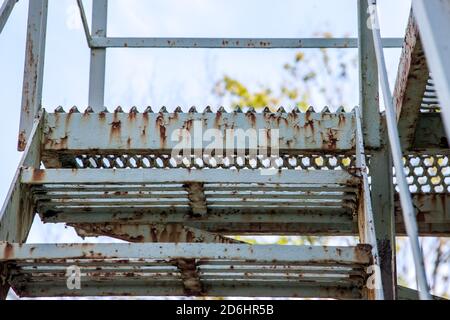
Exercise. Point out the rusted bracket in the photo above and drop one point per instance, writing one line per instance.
(171, 232)
(191, 280)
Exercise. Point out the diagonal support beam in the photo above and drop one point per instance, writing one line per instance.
(17, 212)
(5, 11)
(433, 18)
(170, 232)
(411, 83)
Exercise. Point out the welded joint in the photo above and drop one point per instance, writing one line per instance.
(189, 275)
(197, 198)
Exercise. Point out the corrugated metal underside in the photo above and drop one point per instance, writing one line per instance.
(188, 269)
(226, 201)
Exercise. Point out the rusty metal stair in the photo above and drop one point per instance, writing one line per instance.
(188, 270)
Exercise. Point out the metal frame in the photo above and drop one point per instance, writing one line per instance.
(433, 18)
(234, 43)
(368, 80)
(98, 56)
(43, 137)
(380, 164)
(190, 269)
(98, 42)
(409, 213)
(17, 212)
(34, 68)
(366, 221)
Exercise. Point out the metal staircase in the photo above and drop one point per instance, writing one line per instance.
(115, 174)
(178, 215)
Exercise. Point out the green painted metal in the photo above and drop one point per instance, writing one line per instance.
(114, 174)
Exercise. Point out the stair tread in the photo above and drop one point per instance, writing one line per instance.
(76, 196)
(193, 269)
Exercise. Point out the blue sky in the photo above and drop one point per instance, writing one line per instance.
(168, 77)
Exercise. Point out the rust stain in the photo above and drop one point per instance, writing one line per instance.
(331, 142)
(154, 234)
(132, 114)
(188, 124)
(59, 144)
(8, 252)
(190, 236)
(160, 126)
(38, 175)
(362, 251)
(252, 118)
(145, 117)
(115, 129)
(22, 141)
(341, 121)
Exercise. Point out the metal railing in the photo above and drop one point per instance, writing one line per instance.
(98, 41)
(5, 11)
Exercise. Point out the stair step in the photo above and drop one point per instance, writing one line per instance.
(67, 136)
(217, 197)
(146, 269)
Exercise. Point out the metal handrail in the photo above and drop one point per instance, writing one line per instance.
(5, 11)
(397, 156)
(95, 41)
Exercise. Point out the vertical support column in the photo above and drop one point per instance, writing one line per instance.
(34, 68)
(380, 163)
(98, 56)
(383, 207)
(368, 79)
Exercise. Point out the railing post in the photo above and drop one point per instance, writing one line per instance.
(383, 207)
(380, 164)
(366, 220)
(34, 68)
(98, 56)
(368, 79)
